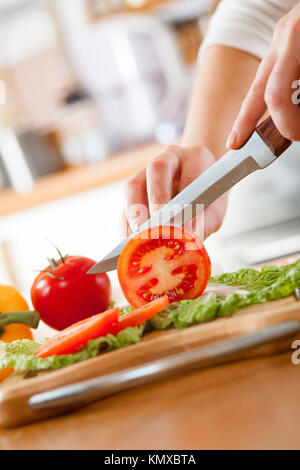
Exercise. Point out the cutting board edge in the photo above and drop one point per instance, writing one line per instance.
(216, 330)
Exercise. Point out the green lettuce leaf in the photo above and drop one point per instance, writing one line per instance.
(248, 278)
(20, 354)
(187, 312)
(271, 283)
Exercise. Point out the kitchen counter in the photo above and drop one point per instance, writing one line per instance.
(77, 179)
(252, 404)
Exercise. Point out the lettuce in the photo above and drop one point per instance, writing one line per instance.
(187, 312)
(248, 278)
(270, 283)
(20, 354)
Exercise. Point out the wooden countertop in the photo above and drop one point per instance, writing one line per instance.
(252, 404)
(74, 180)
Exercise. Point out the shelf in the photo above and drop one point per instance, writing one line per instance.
(9, 5)
(74, 180)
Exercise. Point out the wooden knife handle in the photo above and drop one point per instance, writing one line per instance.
(272, 137)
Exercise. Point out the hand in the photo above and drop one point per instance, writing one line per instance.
(168, 174)
(274, 85)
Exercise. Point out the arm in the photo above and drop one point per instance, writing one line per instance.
(239, 36)
(276, 85)
(221, 84)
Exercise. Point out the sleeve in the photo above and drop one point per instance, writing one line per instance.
(246, 24)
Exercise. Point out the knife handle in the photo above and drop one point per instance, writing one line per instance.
(272, 137)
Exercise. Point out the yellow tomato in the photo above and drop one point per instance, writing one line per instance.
(12, 301)
(16, 331)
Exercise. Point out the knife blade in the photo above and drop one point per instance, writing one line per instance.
(264, 146)
(82, 393)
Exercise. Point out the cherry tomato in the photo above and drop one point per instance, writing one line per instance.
(64, 293)
(141, 314)
(74, 337)
(163, 261)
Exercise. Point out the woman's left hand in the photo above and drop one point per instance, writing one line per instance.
(276, 86)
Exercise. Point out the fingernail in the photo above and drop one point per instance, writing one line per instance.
(232, 139)
(154, 208)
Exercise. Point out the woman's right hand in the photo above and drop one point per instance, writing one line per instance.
(275, 87)
(151, 188)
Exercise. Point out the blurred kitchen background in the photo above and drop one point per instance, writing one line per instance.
(94, 90)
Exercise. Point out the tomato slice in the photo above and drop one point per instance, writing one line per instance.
(164, 260)
(140, 315)
(75, 336)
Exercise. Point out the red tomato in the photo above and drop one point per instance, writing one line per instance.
(140, 315)
(76, 336)
(66, 294)
(163, 261)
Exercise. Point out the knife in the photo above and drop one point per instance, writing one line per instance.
(264, 146)
(82, 393)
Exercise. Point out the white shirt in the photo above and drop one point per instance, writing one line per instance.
(270, 196)
(246, 24)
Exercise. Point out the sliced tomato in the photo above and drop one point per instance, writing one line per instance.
(163, 261)
(75, 336)
(140, 315)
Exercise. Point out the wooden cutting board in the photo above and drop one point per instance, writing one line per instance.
(16, 390)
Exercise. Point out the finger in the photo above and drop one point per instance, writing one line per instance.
(125, 230)
(210, 220)
(214, 215)
(136, 201)
(280, 94)
(161, 174)
(253, 106)
(194, 162)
